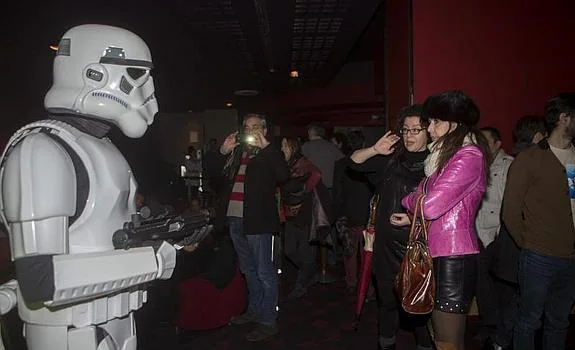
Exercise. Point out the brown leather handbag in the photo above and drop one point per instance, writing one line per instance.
(414, 283)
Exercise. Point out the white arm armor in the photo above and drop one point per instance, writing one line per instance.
(84, 276)
(8, 296)
(8, 301)
(38, 196)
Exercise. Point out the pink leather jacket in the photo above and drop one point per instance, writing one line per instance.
(451, 203)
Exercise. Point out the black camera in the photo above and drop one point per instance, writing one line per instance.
(246, 139)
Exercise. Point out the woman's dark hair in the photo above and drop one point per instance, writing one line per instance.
(342, 139)
(294, 145)
(409, 111)
(456, 107)
(356, 140)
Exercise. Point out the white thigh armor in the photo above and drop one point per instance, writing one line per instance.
(64, 194)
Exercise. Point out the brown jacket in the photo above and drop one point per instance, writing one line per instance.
(536, 203)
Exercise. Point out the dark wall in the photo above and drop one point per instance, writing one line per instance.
(144, 157)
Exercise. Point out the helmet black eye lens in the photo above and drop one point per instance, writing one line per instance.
(136, 73)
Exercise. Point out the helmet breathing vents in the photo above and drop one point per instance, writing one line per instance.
(110, 97)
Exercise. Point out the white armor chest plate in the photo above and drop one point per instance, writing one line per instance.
(111, 199)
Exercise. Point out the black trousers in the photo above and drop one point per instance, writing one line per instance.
(390, 313)
(300, 252)
(508, 301)
(486, 293)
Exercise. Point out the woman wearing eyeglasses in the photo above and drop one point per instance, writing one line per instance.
(395, 169)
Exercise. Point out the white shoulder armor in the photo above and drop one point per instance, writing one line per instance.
(38, 190)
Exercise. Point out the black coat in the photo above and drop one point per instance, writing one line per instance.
(394, 177)
(306, 175)
(505, 261)
(264, 173)
(351, 193)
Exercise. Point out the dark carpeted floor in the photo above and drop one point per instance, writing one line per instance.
(322, 319)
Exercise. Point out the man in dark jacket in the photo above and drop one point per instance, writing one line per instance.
(253, 171)
(538, 209)
(528, 131)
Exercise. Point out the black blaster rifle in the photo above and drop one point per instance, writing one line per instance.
(178, 230)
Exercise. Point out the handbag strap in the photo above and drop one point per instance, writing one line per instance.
(413, 235)
(418, 213)
(424, 223)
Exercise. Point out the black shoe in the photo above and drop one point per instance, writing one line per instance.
(382, 346)
(262, 332)
(297, 293)
(246, 317)
(327, 278)
(491, 345)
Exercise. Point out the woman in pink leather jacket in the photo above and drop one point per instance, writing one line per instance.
(456, 171)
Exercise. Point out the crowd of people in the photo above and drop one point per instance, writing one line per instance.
(501, 228)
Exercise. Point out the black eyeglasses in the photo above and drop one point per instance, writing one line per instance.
(414, 131)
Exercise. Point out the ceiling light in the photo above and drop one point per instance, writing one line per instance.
(294, 74)
(229, 104)
(53, 47)
(246, 92)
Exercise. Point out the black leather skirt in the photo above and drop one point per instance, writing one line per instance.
(455, 282)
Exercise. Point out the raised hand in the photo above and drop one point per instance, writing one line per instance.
(261, 141)
(385, 144)
(229, 143)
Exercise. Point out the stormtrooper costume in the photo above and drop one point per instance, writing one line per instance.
(65, 190)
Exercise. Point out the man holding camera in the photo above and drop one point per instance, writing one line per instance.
(252, 171)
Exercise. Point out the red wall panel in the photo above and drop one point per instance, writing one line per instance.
(510, 56)
(345, 103)
(397, 30)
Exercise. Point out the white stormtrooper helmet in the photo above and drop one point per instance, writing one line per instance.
(104, 72)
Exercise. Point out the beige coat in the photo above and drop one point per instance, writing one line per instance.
(488, 219)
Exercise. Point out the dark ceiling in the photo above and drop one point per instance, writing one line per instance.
(204, 50)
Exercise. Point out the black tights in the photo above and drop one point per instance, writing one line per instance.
(390, 313)
(449, 330)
